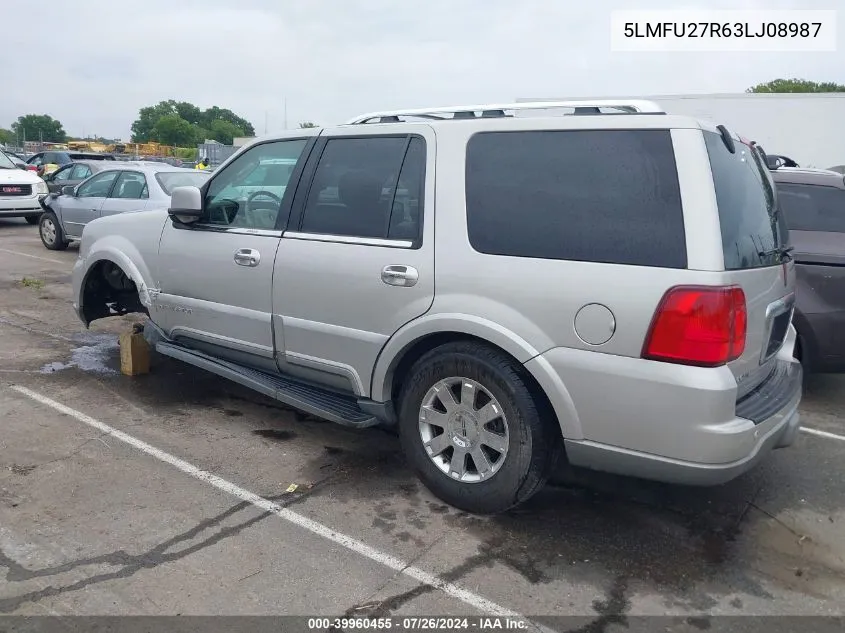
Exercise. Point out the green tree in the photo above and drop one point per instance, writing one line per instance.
(189, 112)
(213, 113)
(7, 137)
(797, 85)
(202, 120)
(171, 129)
(142, 128)
(39, 127)
(224, 131)
(200, 134)
(307, 124)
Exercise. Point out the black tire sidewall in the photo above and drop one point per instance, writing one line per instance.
(525, 465)
(60, 236)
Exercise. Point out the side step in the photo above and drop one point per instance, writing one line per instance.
(321, 403)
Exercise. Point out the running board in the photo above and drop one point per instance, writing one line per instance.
(319, 402)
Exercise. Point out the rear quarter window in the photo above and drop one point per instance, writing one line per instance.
(813, 207)
(607, 196)
(752, 232)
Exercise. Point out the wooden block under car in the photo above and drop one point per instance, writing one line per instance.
(134, 354)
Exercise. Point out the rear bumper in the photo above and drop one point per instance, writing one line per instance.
(669, 422)
(779, 431)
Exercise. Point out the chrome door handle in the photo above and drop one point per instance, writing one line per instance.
(400, 275)
(247, 257)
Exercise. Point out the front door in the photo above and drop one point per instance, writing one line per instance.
(216, 275)
(357, 260)
(130, 193)
(78, 210)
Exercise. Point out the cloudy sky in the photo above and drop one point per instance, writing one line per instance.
(92, 64)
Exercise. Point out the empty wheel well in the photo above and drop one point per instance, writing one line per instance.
(108, 291)
(416, 350)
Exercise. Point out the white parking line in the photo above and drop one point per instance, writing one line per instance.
(830, 436)
(43, 259)
(474, 600)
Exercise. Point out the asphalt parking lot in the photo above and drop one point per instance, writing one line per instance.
(173, 493)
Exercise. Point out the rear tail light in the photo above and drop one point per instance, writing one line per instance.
(698, 325)
(31, 168)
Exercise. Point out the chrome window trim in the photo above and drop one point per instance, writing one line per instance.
(349, 239)
(238, 230)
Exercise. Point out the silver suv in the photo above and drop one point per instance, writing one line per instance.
(503, 283)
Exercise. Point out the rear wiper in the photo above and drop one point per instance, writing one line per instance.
(784, 253)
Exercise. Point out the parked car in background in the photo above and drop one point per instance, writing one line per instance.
(813, 204)
(121, 187)
(776, 161)
(74, 173)
(21, 191)
(40, 160)
(18, 160)
(616, 285)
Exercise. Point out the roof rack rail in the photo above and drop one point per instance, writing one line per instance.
(491, 110)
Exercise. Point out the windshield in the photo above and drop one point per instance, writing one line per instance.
(6, 162)
(169, 180)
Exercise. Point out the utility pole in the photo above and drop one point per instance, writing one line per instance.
(265, 121)
(286, 113)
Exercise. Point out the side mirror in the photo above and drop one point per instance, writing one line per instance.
(186, 204)
(68, 190)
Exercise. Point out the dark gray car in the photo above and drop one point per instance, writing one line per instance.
(813, 203)
(74, 173)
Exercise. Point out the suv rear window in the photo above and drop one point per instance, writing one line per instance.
(812, 207)
(609, 196)
(752, 233)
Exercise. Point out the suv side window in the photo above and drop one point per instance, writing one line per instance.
(607, 196)
(98, 186)
(406, 210)
(130, 186)
(367, 187)
(36, 160)
(812, 207)
(248, 192)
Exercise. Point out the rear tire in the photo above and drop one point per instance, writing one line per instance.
(50, 230)
(488, 403)
(32, 219)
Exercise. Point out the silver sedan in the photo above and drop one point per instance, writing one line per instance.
(124, 186)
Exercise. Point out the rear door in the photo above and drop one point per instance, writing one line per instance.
(754, 238)
(78, 210)
(130, 193)
(356, 262)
